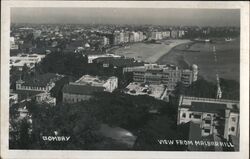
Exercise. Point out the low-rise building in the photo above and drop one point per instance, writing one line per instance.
(214, 116)
(45, 97)
(95, 56)
(25, 59)
(83, 88)
(43, 83)
(156, 91)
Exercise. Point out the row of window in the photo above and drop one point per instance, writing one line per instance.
(33, 88)
(196, 116)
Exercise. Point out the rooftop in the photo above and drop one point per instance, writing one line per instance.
(207, 107)
(195, 102)
(41, 80)
(155, 91)
(92, 80)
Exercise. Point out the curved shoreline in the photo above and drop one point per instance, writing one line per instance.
(149, 52)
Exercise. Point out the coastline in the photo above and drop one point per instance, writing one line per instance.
(149, 52)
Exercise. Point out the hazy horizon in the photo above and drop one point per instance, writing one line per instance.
(133, 16)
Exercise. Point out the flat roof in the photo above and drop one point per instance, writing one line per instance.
(143, 89)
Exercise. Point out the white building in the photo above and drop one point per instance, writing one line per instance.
(83, 88)
(215, 116)
(25, 59)
(92, 57)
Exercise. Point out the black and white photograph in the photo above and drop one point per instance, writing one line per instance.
(140, 79)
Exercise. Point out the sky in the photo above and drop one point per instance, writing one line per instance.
(139, 16)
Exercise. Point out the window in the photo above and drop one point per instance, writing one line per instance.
(233, 119)
(184, 115)
(197, 116)
(207, 130)
(190, 115)
(208, 121)
(232, 128)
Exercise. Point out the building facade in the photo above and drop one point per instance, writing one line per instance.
(214, 116)
(162, 74)
(43, 83)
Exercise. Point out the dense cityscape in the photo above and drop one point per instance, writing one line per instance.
(119, 87)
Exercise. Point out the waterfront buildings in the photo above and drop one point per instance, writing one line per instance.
(163, 74)
(83, 88)
(213, 116)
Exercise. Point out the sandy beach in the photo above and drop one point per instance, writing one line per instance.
(148, 52)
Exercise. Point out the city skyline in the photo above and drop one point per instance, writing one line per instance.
(132, 16)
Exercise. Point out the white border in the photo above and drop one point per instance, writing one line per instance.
(41, 154)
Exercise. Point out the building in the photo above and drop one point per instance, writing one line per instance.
(43, 83)
(156, 91)
(83, 88)
(162, 74)
(95, 56)
(45, 97)
(105, 41)
(156, 35)
(116, 62)
(214, 116)
(13, 45)
(25, 59)
(174, 34)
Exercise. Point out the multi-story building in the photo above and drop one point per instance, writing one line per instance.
(122, 40)
(174, 34)
(116, 38)
(105, 41)
(42, 83)
(214, 116)
(181, 33)
(126, 37)
(83, 88)
(162, 74)
(156, 35)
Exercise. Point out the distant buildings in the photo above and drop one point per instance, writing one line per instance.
(116, 62)
(25, 59)
(213, 116)
(83, 88)
(121, 37)
(13, 45)
(162, 74)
